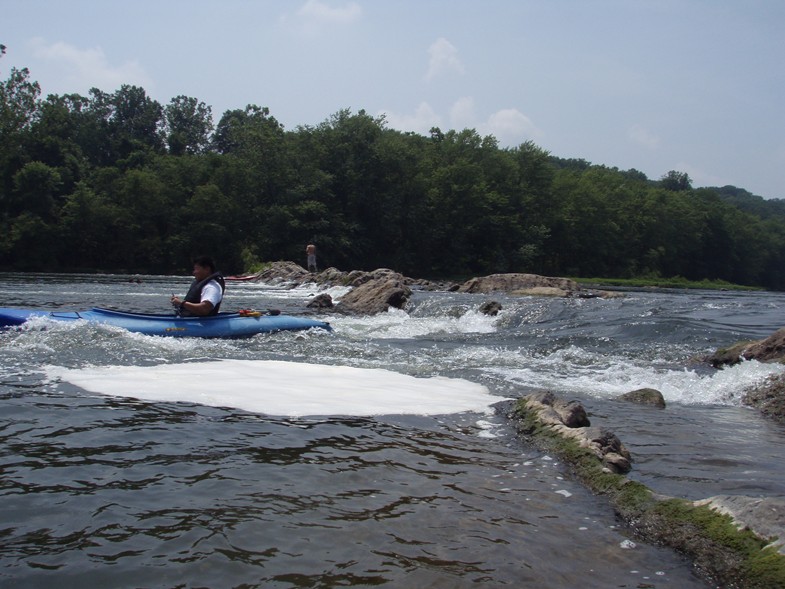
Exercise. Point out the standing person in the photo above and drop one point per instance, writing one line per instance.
(310, 251)
(206, 292)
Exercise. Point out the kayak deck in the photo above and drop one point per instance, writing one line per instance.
(223, 325)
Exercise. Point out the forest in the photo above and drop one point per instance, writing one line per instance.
(117, 182)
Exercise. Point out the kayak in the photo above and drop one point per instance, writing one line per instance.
(242, 278)
(222, 325)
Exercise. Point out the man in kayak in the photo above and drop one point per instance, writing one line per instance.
(206, 292)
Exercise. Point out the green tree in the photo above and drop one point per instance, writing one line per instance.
(189, 124)
(676, 181)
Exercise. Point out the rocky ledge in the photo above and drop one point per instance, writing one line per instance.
(376, 291)
(733, 541)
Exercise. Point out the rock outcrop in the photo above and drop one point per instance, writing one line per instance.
(770, 349)
(516, 283)
(376, 294)
(531, 285)
(569, 419)
(391, 289)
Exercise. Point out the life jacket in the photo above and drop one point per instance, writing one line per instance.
(194, 294)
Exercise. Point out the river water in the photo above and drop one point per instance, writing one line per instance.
(108, 489)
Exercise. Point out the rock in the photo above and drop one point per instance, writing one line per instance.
(617, 463)
(771, 349)
(572, 413)
(728, 356)
(569, 419)
(644, 396)
(491, 308)
(321, 301)
(768, 397)
(515, 282)
(391, 289)
(764, 516)
(289, 272)
(541, 291)
(376, 296)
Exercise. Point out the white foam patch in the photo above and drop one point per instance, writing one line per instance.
(284, 388)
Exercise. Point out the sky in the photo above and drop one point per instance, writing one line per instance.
(695, 86)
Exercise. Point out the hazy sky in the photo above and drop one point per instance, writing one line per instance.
(695, 86)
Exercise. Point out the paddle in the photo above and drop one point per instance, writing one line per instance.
(253, 313)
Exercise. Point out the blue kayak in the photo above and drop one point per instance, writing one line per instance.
(223, 325)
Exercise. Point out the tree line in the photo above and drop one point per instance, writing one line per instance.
(118, 182)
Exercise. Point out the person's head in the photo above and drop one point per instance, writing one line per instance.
(203, 267)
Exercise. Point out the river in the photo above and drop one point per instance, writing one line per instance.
(358, 480)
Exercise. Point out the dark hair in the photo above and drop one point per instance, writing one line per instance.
(205, 261)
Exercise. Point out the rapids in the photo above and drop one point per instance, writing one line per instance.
(369, 456)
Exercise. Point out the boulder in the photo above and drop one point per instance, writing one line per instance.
(321, 301)
(283, 271)
(376, 295)
(644, 396)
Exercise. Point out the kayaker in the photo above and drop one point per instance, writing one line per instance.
(206, 292)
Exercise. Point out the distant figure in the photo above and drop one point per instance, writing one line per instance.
(310, 251)
(206, 292)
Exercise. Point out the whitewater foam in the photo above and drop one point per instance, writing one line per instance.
(283, 388)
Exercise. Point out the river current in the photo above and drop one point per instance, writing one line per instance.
(115, 491)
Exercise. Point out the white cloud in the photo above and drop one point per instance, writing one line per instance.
(321, 12)
(423, 119)
(462, 113)
(642, 136)
(443, 59)
(82, 69)
(510, 126)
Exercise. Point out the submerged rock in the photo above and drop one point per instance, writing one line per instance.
(491, 308)
(644, 396)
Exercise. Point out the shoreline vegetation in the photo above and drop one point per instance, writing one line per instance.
(117, 180)
(675, 282)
